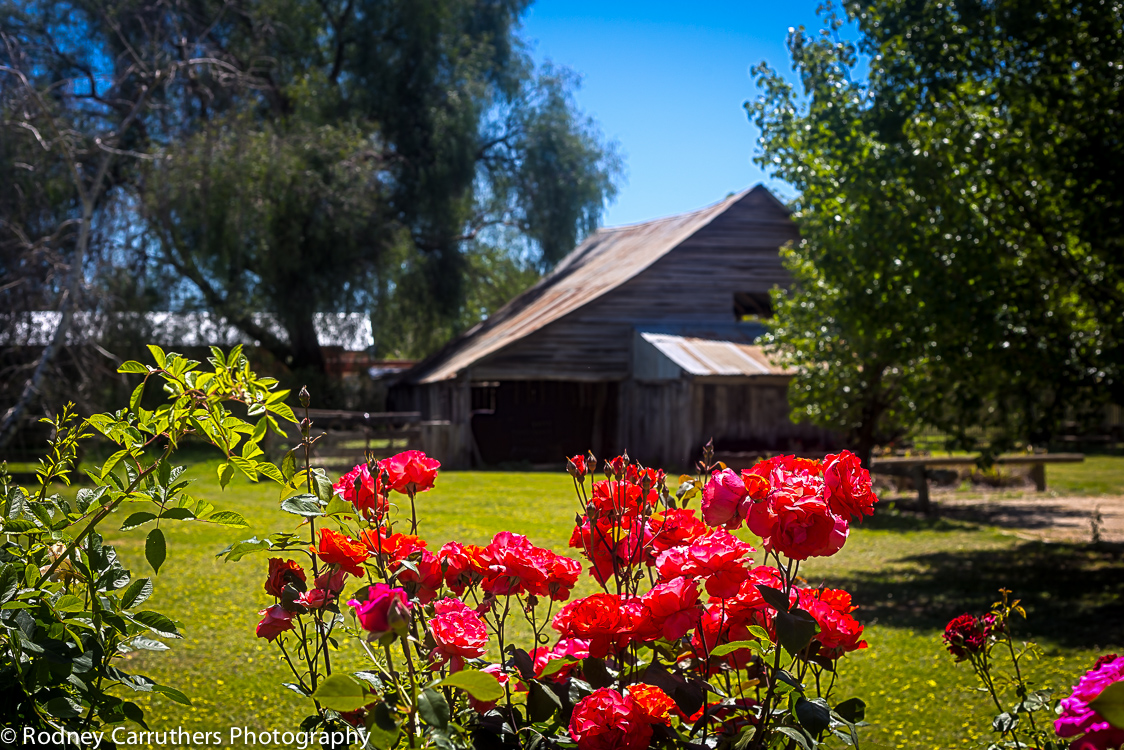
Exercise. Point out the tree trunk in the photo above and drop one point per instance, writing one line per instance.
(9, 425)
(304, 344)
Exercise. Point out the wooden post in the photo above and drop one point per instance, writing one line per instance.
(1038, 474)
(921, 483)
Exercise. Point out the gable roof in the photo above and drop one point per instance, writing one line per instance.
(606, 259)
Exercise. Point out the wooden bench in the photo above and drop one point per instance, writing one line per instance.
(917, 468)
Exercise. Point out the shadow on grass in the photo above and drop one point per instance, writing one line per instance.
(1073, 593)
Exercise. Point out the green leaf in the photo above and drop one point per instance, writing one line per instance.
(813, 715)
(542, 702)
(246, 466)
(288, 466)
(554, 665)
(302, 505)
(238, 550)
(158, 355)
(63, 708)
(433, 708)
(226, 473)
(323, 486)
(795, 630)
(112, 461)
(135, 399)
(852, 710)
(381, 728)
(341, 692)
(70, 603)
(480, 685)
(228, 518)
(178, 514)
(801, 739)
(1110, 704)
(156, 622)
(136, 519)
(732, 646)
(155, 549)
(172, 693)
(20, 526)
(148, 644)
(338, 505)
(137, 593)
(272, 472)
(132, 366)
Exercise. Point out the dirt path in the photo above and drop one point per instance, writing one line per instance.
(1060, 519)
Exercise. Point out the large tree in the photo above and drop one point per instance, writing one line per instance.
(292, 157)
(961, 207)
(374, 151)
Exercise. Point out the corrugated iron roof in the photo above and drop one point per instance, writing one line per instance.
(608, 258)
(707, 357)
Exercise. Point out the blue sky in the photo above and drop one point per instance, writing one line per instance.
(667, 80)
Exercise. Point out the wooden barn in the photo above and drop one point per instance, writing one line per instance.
(641, 339)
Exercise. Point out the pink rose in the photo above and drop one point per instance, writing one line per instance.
(276, 622)
(1078, 718)
(332, 581)
(722, 496)
(384, 611)
(314, 599)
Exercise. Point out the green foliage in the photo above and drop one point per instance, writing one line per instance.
(69, 609)
(960, 261)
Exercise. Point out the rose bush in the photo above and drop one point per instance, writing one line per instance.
(692, 638)
(1093, 714)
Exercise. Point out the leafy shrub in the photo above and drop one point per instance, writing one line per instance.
(69, 610)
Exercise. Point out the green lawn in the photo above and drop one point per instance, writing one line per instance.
(909, 576)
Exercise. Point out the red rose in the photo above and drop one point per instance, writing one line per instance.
(965, 636)
(719, 557)
(458, 631)
(411, 471)
(598, 618)
(638, 475)
(674, 607)
(839, 632)
(795, 519)
(722, 496)
(314, 599)
(336, 549)
(282, 572)
(575, 465)
(611, 496)
(848, 485)
(393, 547)
(331, 581)
(423, 583)
(456, 566)
(716, 628)
(655, 705)
(562, 577)
(576, 648)
(275, 622)
(363, 491)
(607, 720)
(624, 543)
(675, 527)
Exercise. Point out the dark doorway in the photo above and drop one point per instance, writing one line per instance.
(543, 421)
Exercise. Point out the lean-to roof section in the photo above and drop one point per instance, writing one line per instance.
(608, 258)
